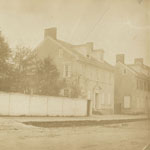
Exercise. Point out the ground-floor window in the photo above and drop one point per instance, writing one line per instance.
(103, 99)
(66, 92)
(127, 101)
(109, 99)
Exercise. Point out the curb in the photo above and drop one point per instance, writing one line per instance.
(73, 123)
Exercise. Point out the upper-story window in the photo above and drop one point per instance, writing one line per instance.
(60, 53)
(110, 78)
(138, 85)
(145, 85)
(109, 99)
(141, 85)
(97, 75)
(67, 70)
(149, 86)
(124, 71)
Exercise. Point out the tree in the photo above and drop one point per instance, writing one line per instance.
(5, 66)
(24, 63)
(33, 75)
(47, 78)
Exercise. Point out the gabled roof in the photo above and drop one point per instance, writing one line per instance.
(140, 75)
(90, 60)
(143, 66)
(70, 49)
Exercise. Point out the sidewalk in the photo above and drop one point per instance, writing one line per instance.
(91, 118)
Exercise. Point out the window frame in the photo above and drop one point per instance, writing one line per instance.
(67, 73)
(60, 52)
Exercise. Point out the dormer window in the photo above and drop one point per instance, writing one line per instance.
(60, 53)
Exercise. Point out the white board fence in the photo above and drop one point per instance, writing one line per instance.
(15, 104)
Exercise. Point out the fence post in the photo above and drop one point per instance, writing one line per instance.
(89, 107)
(29, 104)
(9, 106)
(47, 105)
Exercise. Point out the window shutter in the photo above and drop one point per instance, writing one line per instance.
(69, 70)
(127, 102)
(102, 101)
(109, 99)
(89, 95)
(60, 51)
(64, 71)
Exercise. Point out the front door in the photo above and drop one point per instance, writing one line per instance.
(96, 100)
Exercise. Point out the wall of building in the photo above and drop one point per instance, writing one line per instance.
(14, 104)
(93, 78)
(126, 85)
(88, 76)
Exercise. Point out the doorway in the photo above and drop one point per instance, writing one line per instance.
(97, 100)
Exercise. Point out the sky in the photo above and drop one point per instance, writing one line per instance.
(117, 26)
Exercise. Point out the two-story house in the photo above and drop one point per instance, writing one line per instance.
(83, 64)
(132, 86)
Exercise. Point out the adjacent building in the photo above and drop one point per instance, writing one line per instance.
(132, 86)
(84, 65)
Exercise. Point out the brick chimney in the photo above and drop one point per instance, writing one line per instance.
(120, 58)
(89, 48)
(50, 32)
(89, 45)
(138, 61)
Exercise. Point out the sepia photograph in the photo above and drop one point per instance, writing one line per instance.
(74, 74)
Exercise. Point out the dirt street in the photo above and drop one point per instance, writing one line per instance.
(125, 136)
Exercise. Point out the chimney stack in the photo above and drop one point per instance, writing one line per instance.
(89, 46)
(138, 61)
(120, 58)
(50, 32)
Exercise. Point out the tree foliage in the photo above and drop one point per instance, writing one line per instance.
(5, 66)
(4, 50)
(23, 72)
(47, 78)
(33, 75)
(24, 61)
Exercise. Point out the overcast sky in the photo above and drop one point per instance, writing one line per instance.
(117, 26)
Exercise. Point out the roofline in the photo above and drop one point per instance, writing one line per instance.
(148, 67)
(49, 38)
(133, 71)
(105, 68)
(77, 58)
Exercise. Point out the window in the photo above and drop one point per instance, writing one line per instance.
(89, 95)
(138, 102)
(138, 85)
(67, 70)
(60, 53)
(103, 99)
(145, 85)
(109, 99)
(141, 84)
(66, 92)
(109, 78)
(124, 71)
(149, 86)
(127, 102)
